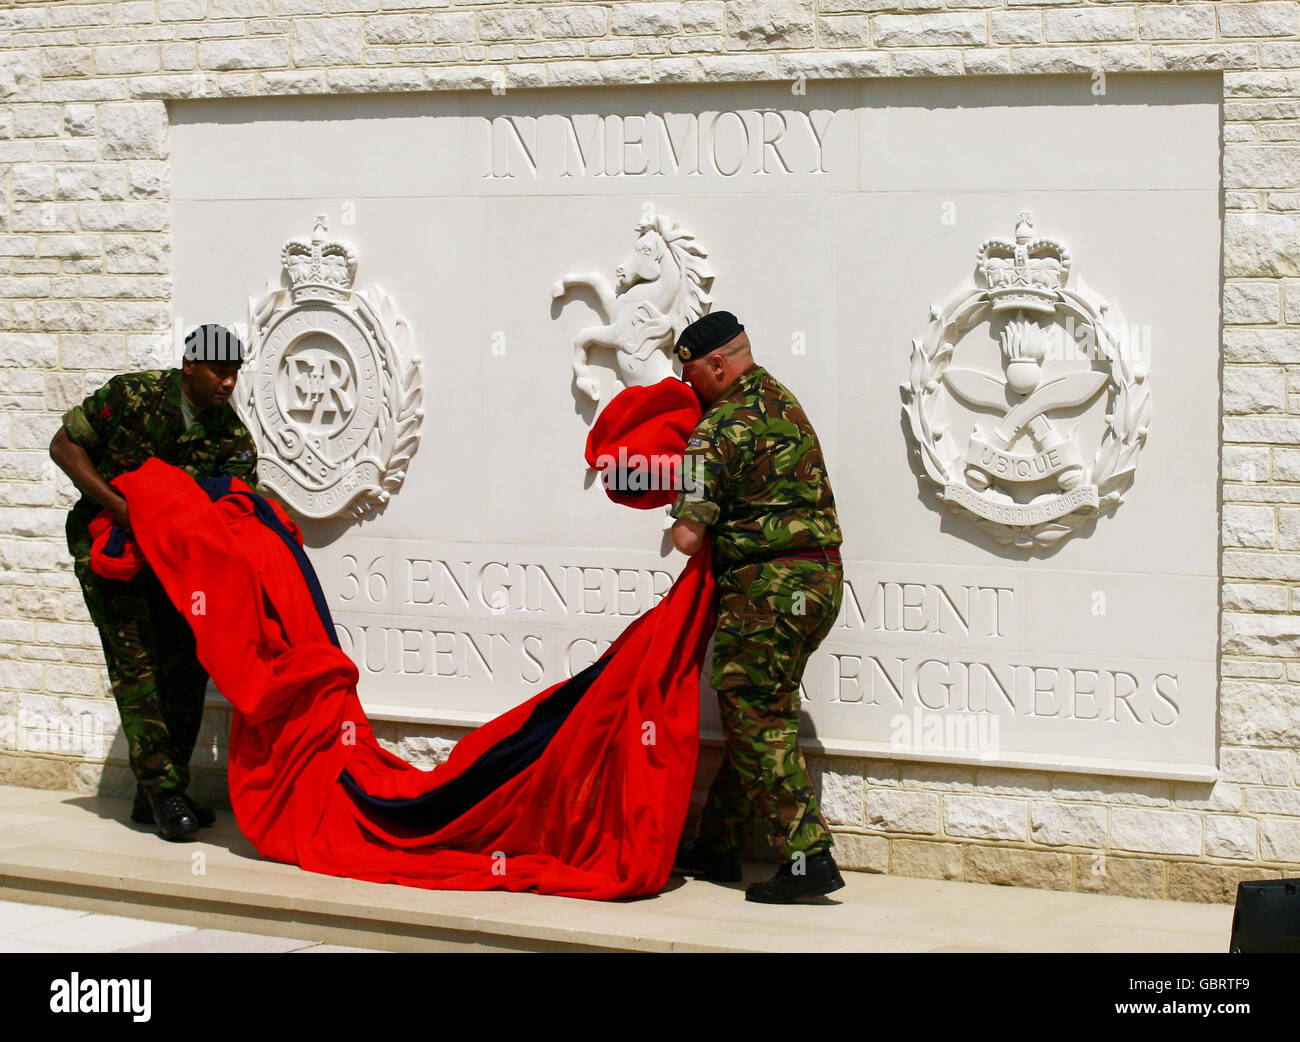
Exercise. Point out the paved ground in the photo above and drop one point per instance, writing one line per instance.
(42, 928)
(108, 885)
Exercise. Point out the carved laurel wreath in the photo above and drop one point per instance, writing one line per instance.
(391, 444)
(1127, 417)
(259, 312)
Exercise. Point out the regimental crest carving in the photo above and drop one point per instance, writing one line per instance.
(334, 399)
(1008, 446)
(660, 288)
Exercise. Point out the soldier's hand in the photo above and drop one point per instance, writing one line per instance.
(122, 517)
(688, 536)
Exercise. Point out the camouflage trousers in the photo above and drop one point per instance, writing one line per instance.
(772, 615)
(158, 682)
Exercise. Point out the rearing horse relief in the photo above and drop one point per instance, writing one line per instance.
(661, 288)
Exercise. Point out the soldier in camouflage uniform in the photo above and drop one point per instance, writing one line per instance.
(754, 478)
(182, 416)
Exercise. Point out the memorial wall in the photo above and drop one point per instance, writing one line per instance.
(1030, 267)
(1000, 314)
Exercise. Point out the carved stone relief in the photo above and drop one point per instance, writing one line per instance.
(660, 288)
(334, 399)
(1018, 473)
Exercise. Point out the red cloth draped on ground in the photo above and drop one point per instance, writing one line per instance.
(596, 812)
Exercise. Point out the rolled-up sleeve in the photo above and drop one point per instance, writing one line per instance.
(91, 423)
(704, 479)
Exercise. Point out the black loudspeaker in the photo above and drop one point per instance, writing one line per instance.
(1267, 917)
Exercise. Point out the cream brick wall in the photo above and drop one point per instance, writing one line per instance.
(85, 292)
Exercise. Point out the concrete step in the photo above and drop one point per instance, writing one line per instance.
(31, 929)
(78, 851)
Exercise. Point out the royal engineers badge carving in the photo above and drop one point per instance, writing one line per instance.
(334, 399)
(1019, 474)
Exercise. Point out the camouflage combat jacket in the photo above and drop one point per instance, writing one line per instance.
(759, 480)
(138, 415)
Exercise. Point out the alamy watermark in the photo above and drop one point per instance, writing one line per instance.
(1077, 342)
(969, 733)
(637, 472)
(30, 732)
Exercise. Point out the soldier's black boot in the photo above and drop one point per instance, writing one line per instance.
(695, 859)
(815, 877)
(172, 814)
(142, 812)
(205, 816)
(140, 809)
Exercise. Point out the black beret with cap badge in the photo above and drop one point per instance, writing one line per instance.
(707, 334)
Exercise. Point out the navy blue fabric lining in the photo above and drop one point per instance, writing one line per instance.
(267, 516)
(492, 769)
(219, 487)
(214, 487)
(116, 544)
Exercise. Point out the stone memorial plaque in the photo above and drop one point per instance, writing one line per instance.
(998, 302)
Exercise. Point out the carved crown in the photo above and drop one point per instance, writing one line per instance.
(319, 268)
(1026, 274)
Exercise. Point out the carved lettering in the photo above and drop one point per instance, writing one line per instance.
(516, 588)
(726, 144)
(931, 608)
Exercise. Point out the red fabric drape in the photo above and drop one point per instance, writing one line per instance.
(597, 815)
(123, 565)
(639, 437)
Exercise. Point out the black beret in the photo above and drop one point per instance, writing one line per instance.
(213, 343)
(706, 334)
